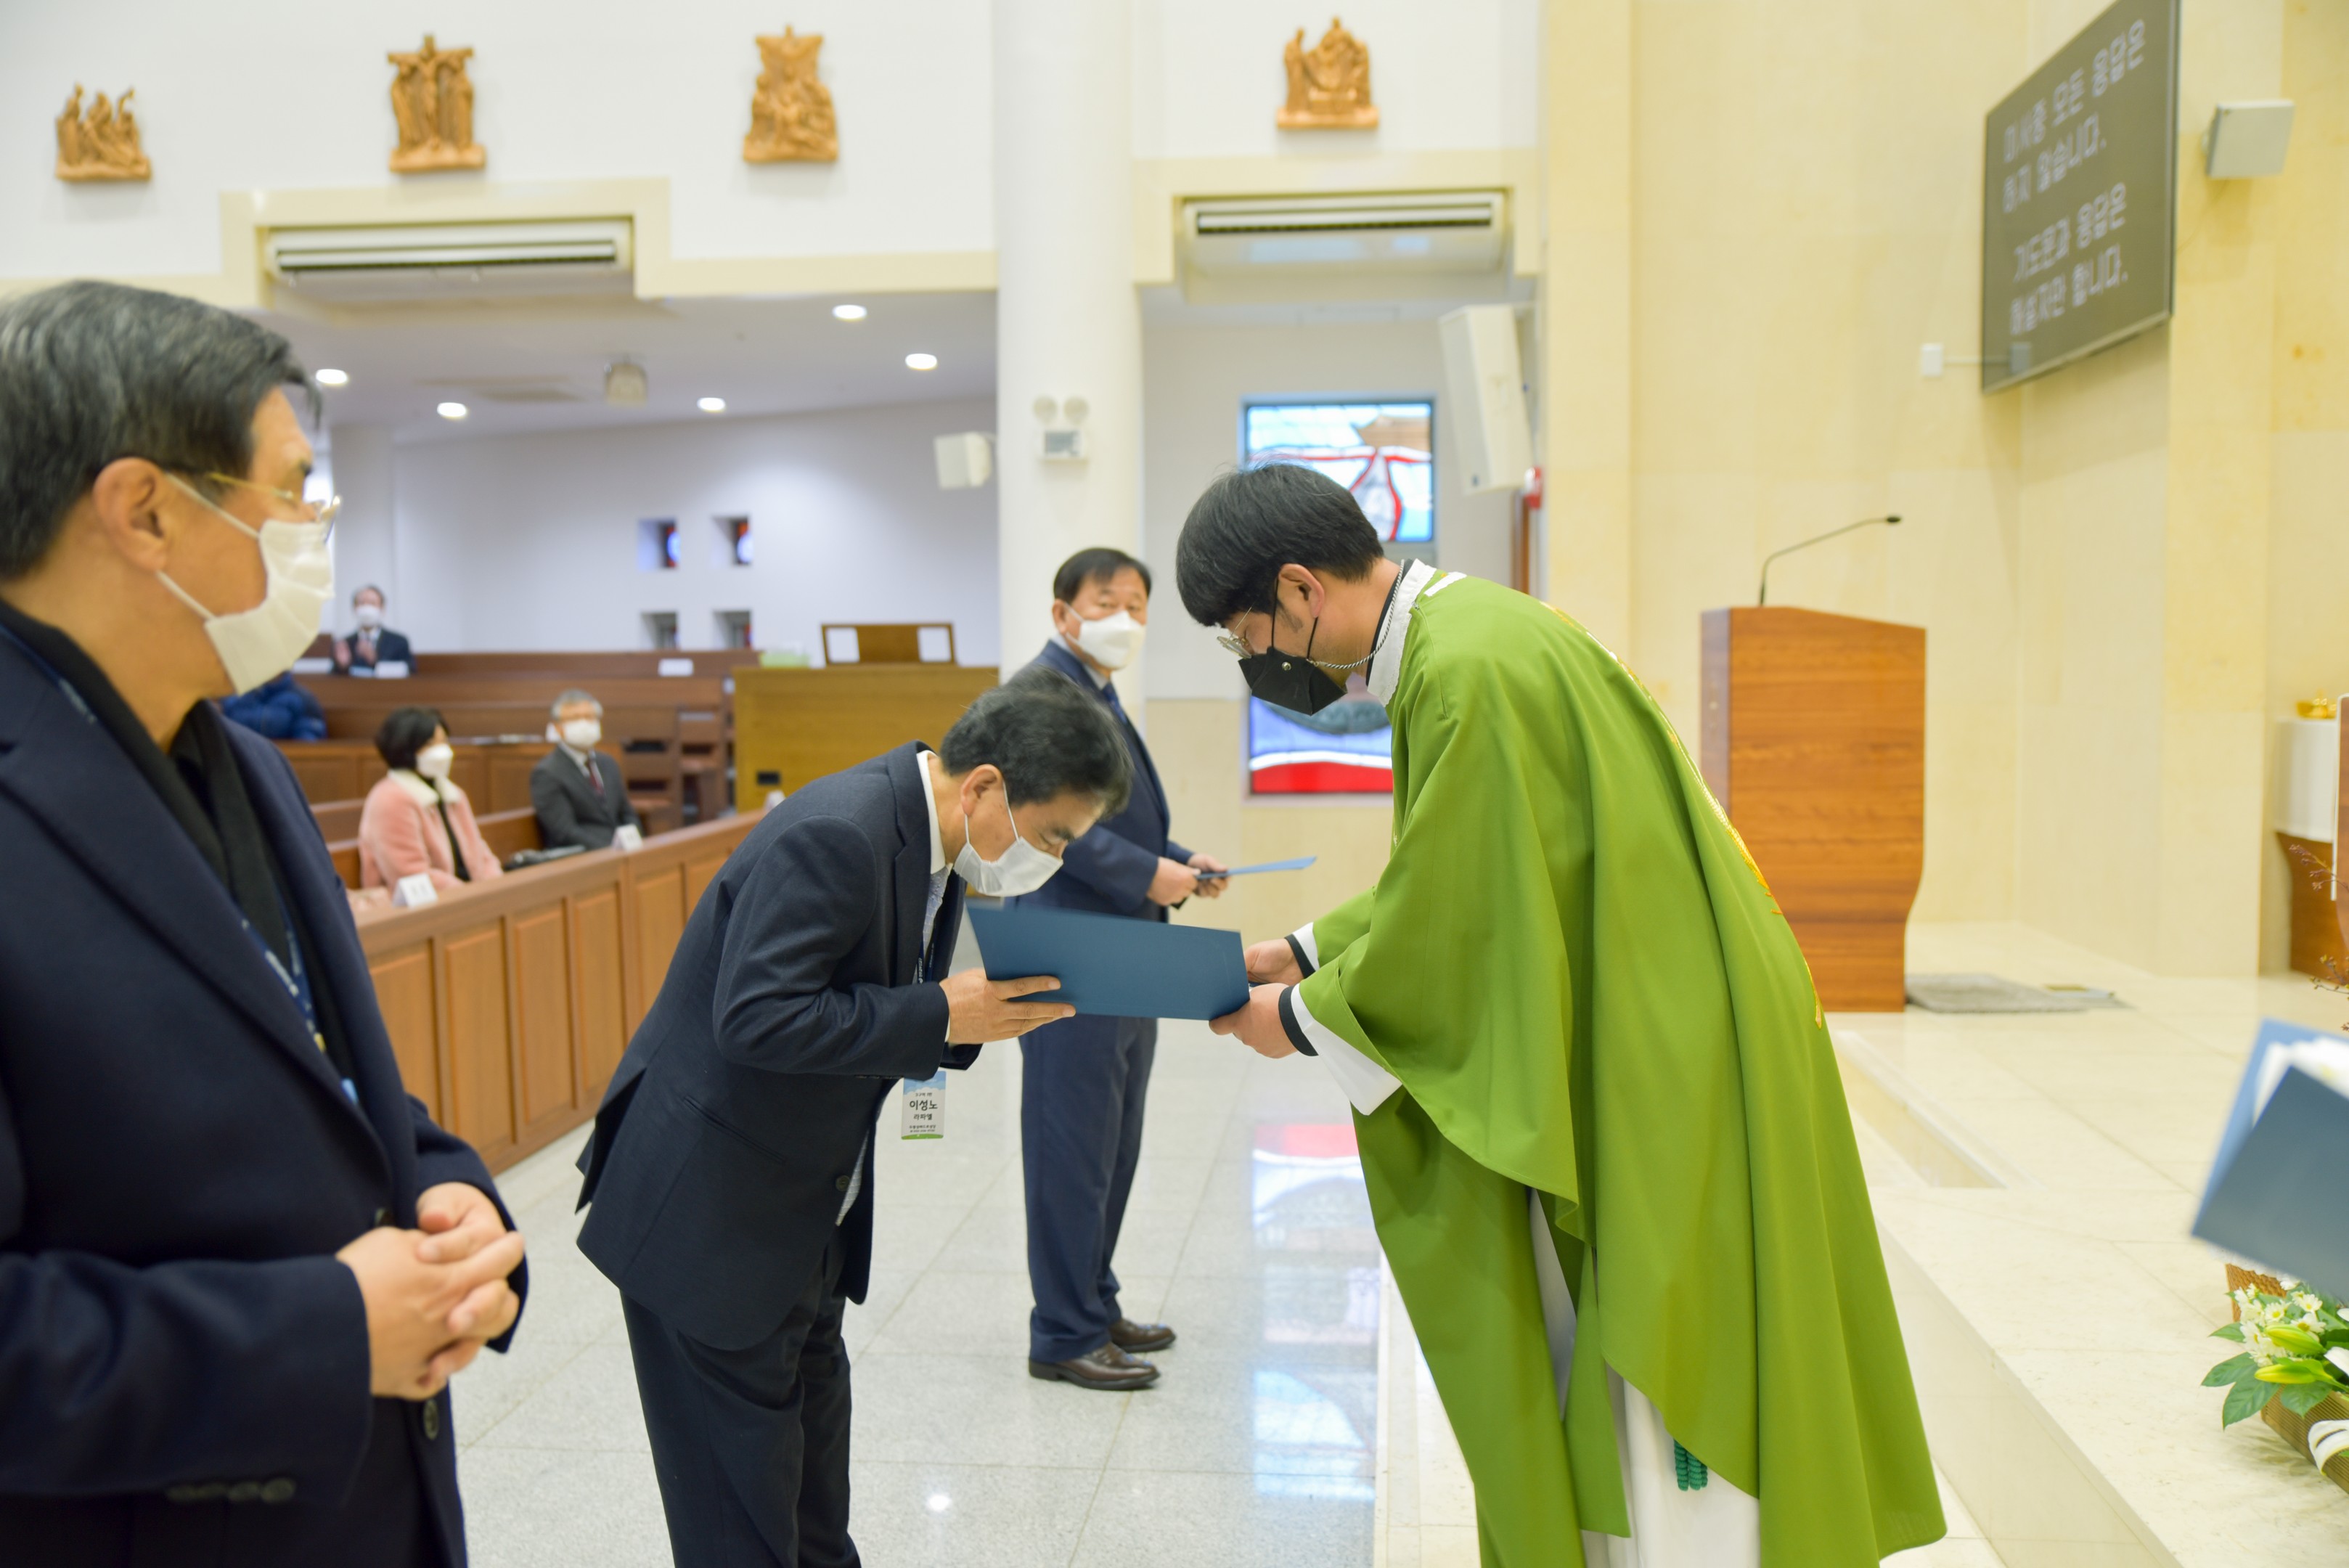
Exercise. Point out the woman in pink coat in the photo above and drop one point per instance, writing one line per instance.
(415, 820)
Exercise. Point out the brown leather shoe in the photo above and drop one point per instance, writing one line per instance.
(1140, 1337)
(1107, 1368)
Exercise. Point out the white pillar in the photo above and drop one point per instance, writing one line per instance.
(1067, 322)
(366, 537)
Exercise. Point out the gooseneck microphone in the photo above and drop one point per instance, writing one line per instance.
(1763, 597)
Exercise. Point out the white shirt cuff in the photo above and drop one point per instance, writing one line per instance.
(1365, 1083)
(1303, 937)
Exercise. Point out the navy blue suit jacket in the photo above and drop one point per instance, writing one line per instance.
(1108, 871)
(178, 1166)
(746, 1103)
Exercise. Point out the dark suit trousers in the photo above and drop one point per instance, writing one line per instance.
(1082, 1085)
(752, 1446)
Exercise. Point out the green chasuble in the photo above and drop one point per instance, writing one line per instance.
(1586, 989)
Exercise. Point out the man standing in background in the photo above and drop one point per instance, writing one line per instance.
(1083, 1080)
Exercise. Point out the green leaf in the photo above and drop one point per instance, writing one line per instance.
(2233, 1331)
(2305, 1397)
(2234, 1369)
(2248, 1398)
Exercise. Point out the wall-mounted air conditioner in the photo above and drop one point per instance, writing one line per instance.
(434, 263)
(1382, 232)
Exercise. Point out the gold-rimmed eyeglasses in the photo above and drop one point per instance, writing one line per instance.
(1237, 647)
(324, 510)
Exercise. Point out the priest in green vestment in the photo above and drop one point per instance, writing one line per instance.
(1600, 1121)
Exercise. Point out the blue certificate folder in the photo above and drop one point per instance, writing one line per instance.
(2273, 1189)
(1125, 969)
(1299, 864)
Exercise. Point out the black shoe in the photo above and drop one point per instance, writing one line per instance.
(1107, 1368)
(1140, 1337)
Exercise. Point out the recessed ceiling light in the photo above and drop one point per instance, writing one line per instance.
(921, 361)
(453, 411)
(940, 1502)
(848, 313)
(711, 405)
(331, 379)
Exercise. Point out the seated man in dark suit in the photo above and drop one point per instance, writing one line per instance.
(238, 1262)
(575, 789)
(731, 1166)
(372, 643)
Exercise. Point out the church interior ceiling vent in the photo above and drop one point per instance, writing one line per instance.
(1392, 232)
(444, 263)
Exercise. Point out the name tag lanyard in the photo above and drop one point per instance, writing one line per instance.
(295, 978)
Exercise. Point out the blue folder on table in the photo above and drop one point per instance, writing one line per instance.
(2271, 1196)
(1117, 967)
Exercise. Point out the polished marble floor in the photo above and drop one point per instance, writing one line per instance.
(1248, 1230)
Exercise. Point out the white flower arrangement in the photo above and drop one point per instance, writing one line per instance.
(2295, 1350)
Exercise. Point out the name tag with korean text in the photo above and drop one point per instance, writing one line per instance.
(925, 1106)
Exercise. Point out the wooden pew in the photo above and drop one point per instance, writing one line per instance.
(585, 670)
(507, 832)
(337, 819)
(494, 777)
(510, 1003)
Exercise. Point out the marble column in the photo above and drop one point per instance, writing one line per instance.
(1067, 321)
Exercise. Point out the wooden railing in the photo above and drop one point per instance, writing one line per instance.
(510, 1001)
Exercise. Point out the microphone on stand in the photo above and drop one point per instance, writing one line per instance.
(1764, 598)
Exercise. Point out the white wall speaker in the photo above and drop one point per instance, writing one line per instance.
(964, 461)
(1487, 408)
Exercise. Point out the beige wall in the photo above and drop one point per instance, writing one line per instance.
(2308, 497)
(2125, 568)
(1802, 192)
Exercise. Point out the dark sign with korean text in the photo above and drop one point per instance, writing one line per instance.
(2080, 167)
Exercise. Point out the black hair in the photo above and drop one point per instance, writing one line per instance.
(1048, 737)
(1252, 521)
(405, 733)
(92, 372)
(1099, 565)
(367, 589)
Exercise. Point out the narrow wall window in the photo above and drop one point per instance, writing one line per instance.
(734, 540)
(656, 544)
(734, 628)
(661, 631)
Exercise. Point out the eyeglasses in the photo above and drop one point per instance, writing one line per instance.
(1235, 647)
(325, 509)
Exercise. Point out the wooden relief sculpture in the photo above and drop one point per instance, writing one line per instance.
(791, 111)
(432, 99)
(100, 142)
(1328, 84)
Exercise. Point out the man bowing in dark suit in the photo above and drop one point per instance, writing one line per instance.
(731, 1166)
(576, 789)
(238, 1262)
(1083, 1081)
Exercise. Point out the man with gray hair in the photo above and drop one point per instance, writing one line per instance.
(575, 789)
(238, 1262)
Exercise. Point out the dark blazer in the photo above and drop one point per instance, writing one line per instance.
(570, 811)
(178, 1166)
(391, 647)
(796, 1000)
(1108, 871)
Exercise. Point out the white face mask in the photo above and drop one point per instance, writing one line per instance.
(432, 761)
(1022, 868)
(369, 615)
(258, 645)
(1113, 640)
(581, 734)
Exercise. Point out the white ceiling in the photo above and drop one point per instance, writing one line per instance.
(528, 366)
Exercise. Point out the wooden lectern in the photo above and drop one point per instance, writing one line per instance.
(1813, 742)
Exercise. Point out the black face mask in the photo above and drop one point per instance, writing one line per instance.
(1290, 681)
